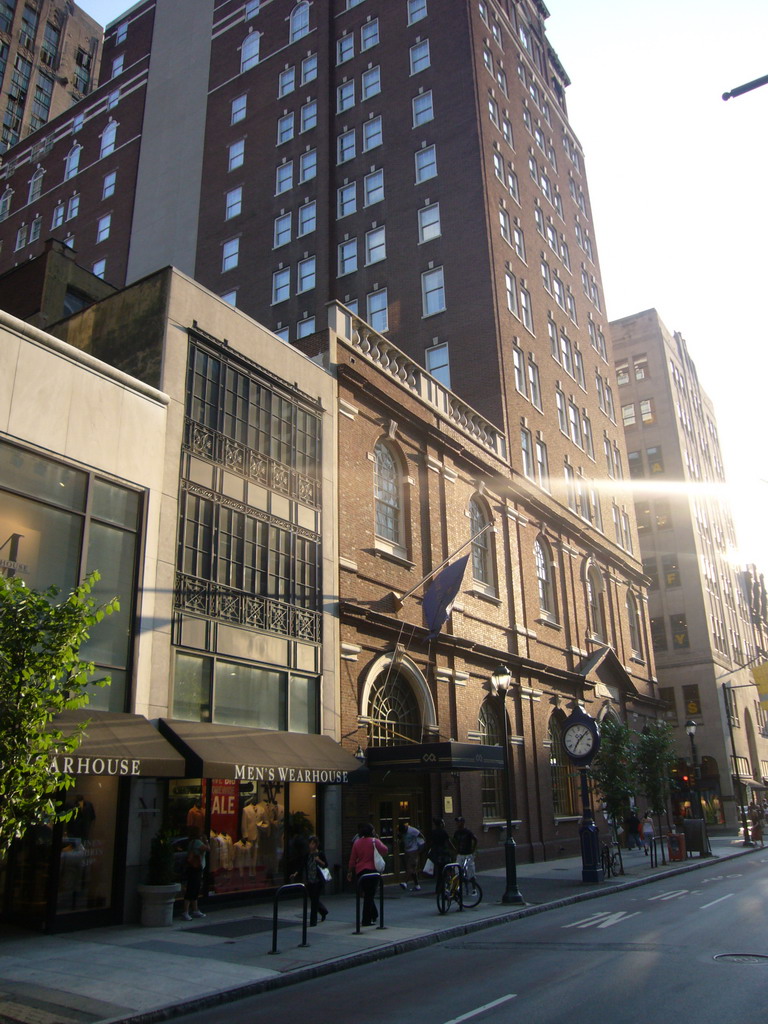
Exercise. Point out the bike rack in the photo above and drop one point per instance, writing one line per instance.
(358, 894)
(455, 869)
(291, 886)
(656, 843)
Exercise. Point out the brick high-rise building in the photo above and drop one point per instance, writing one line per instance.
(50, 52)
(708, 617)
(413, 161)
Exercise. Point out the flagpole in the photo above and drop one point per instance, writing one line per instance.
(399, 601)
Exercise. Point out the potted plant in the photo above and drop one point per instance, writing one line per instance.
(161, 888)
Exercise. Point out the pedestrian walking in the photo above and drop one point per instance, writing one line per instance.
(412, 841)
(312, 874)
(632, 826)
(361, 862)
(646, 831)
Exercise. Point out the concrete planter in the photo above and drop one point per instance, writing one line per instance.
(157, 904)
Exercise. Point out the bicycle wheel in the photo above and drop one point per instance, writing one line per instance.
(472, 893)
(444, 898)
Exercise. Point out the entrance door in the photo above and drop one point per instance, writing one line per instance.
(390, 810)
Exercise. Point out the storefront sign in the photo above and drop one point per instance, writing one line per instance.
(74, 765)
(253, 773)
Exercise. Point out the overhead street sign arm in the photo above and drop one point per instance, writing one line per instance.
(746, 88)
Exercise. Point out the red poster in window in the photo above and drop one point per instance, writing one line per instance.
(224, 806)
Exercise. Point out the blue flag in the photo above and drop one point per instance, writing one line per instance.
(441, 594)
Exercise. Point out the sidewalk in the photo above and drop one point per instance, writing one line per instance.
(132, 974)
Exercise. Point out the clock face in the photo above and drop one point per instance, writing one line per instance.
(579, 740)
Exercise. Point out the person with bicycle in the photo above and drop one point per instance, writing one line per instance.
(465, 842)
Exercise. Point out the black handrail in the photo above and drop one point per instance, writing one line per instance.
(284, 888)
(658, 842)
(358, 893)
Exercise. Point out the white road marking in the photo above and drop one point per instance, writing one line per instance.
(603, 919)
(717, 901)
(670, 895)
(481, 1009)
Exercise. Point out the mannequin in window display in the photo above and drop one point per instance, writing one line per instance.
(79, 825)
(196, 815)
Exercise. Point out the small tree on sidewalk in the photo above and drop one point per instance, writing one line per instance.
(41, 674)
(655, 753)
(613, 771)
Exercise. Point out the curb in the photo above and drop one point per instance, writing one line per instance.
(367, 956)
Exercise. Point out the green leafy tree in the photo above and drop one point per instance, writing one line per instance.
(41, 674)
(612, 770)
(655, 753)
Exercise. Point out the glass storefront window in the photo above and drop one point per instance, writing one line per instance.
(304, 705)
(245, 822)
(43, 542)
(88, 846)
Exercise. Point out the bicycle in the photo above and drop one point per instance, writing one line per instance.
(609, 859)
(465, 892)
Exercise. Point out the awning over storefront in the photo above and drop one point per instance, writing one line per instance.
(448, 756)
(116, 744)
(232, 752)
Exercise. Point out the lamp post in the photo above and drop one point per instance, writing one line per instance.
(690, 728)
(500, 683)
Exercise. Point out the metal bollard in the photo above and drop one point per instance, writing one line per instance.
(283, 889)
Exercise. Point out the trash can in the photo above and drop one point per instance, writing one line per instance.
(676, 846)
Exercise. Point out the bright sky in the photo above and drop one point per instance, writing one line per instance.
(679, 194)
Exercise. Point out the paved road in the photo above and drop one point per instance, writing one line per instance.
(645, 955)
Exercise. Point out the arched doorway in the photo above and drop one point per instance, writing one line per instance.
(398, 709)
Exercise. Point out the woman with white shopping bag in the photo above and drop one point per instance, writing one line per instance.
(363, 860)
(314, 873)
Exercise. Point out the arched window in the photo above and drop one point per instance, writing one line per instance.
(492, 782)
(36, 185)
(594, 586)
(634, 625)
(72, 162)
(544, 577)
(387, 486)
(393, 711)
(299, 21)
(563, 787)
(482, 562)
(108, 137)
(5, 203)
(249, 52)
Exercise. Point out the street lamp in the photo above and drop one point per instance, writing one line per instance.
(690, 728)
(501, 680)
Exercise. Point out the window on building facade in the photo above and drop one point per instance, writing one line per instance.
(377, 311)
(233, 203)
(438, 364)
(481, 547)
(108, 138)
(108, 185)
(372, 134)
(417, 9)
(369, 34)
(282, 234)
(491, 782)
(426, 163)
(432, 292)
(393, 712)
(633, 619)
(35, 185)
(423, 108)
(72, 162)
(305, 279)
(545, 578)
(388, 495)
(281, 285)
(299, 21)
(595, 603)
(238, 109)
(371, 83)
(373, 187)
(429, 222)
(236, 155)
(306, 219)
(103, 227)
(347, 257)
(562, 775)
(419, 56)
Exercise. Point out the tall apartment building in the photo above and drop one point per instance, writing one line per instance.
(50, 51)
(413, 162)
(707, 615)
